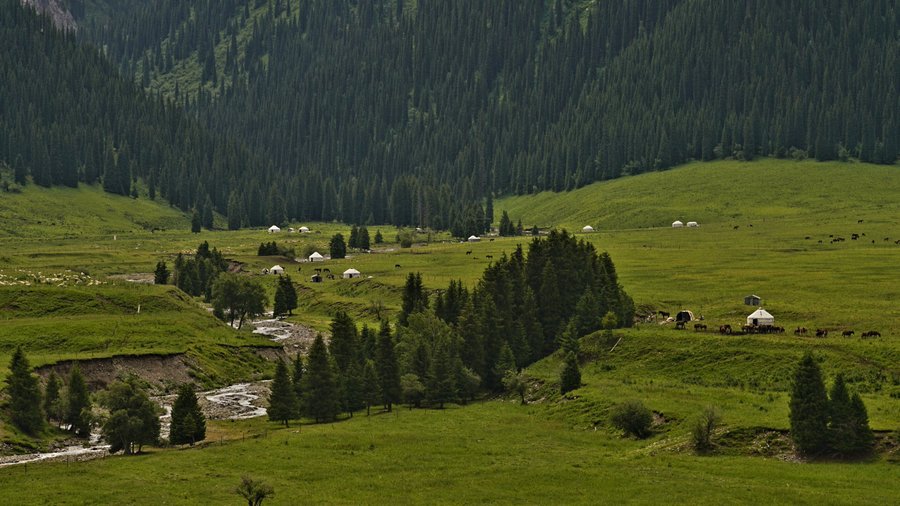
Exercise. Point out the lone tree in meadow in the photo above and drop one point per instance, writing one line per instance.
(24, 395)
(809, 408)
(78, 404)
(188, 423)
(570, 376)
(254, 491)
(282, 398)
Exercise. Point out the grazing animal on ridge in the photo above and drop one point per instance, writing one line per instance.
(396, 266)
(725, 329)
(679, 325)
(821, 333)
(699, 326)
(664, 314)
(847, 333)
(871, 333)
(801, 331)
(469, 252)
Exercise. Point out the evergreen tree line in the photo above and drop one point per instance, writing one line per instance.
(386, 113)
(132, 420)
(827, 424)
(196, 275)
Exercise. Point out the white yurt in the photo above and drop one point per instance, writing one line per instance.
(587, 228)
(276, 270)
(677, 224)
(274, 229)
(693, 224)
(304, 230)
(351, 273)
(474, 238)
(316, 257)
(760, 317)
(291, 230)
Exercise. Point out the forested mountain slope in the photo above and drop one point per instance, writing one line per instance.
(66, 117)
(416, 112)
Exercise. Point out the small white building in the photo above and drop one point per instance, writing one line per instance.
(351, 273)
(291, 230)
(760, 317)
(316, 257)
(693, 224)
(474, 238)
(677, 224)
(304, 230)
(276, 270)
(587, 228)
(274, 229)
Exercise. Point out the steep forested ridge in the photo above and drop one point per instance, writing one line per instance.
(66, 117)
(415, 112)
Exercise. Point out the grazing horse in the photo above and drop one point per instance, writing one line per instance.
(847, 333)
(854, 237)
(801, 331)
(699, 326)
(491, 240)
(871, 333)
(396, 266)
(679, 325)
(326, 269)
(821, 333)
(489, 256)
(663, 314)
(469, 252)
(725, 329)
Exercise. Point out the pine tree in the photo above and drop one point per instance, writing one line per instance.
(285, 297)
(78, 404)
(363, 241)
(862, 434)
(282, 399)
(196, 222)
(52, 400)
(379, 239)
(337, 247)
(353, 242)
(235, 211)
(849, 432)
(188, 424)
(371, 392)
(206, 217)
(414, 297)
(809, 408)
(344, 345)
(505, 362)
(161, 273)
(322, 401)
(387, 367)
(297, 383)
(570, 376)
(441, 381)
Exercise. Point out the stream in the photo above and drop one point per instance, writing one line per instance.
(233, 402)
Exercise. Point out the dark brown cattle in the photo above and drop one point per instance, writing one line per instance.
(871, 333)
(847, 333)
(725, 329)
(679, 325)
(699, 326)
(821, 333)
(664, 314)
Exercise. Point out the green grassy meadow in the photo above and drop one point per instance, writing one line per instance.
(65, 294)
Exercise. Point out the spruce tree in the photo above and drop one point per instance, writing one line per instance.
(196, 222)
(322, 400)
(297, 383)
(387, 367)
(285, 297)
(188, 424)
(344, 345)
(441, 381)
(414, 297)
(52, 399)
(570, 376)
(363, 242)
(24, 395)
(336, 247)
(849, 432)
(506, 362)
(78, 404)
(378, 237)
(353, 242)
(161, 273)
(862, 435)
(282, 399)
(371, 392)
(809, 408)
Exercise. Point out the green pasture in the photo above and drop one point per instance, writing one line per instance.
(493, 452)
(65, 294)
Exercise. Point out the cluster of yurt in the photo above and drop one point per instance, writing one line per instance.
(680, 224)
(274, 229)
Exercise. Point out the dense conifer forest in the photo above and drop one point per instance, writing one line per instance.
(417, 113)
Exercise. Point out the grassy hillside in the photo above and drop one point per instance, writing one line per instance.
(494, 452)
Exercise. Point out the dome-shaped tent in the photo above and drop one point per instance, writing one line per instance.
(351, 273)
(587, 228)
(316, 257)
(276, 270)
(677, 224)
(274, 229)
(760, 317)
(693, 224)
(304, 230)
(474, 238)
